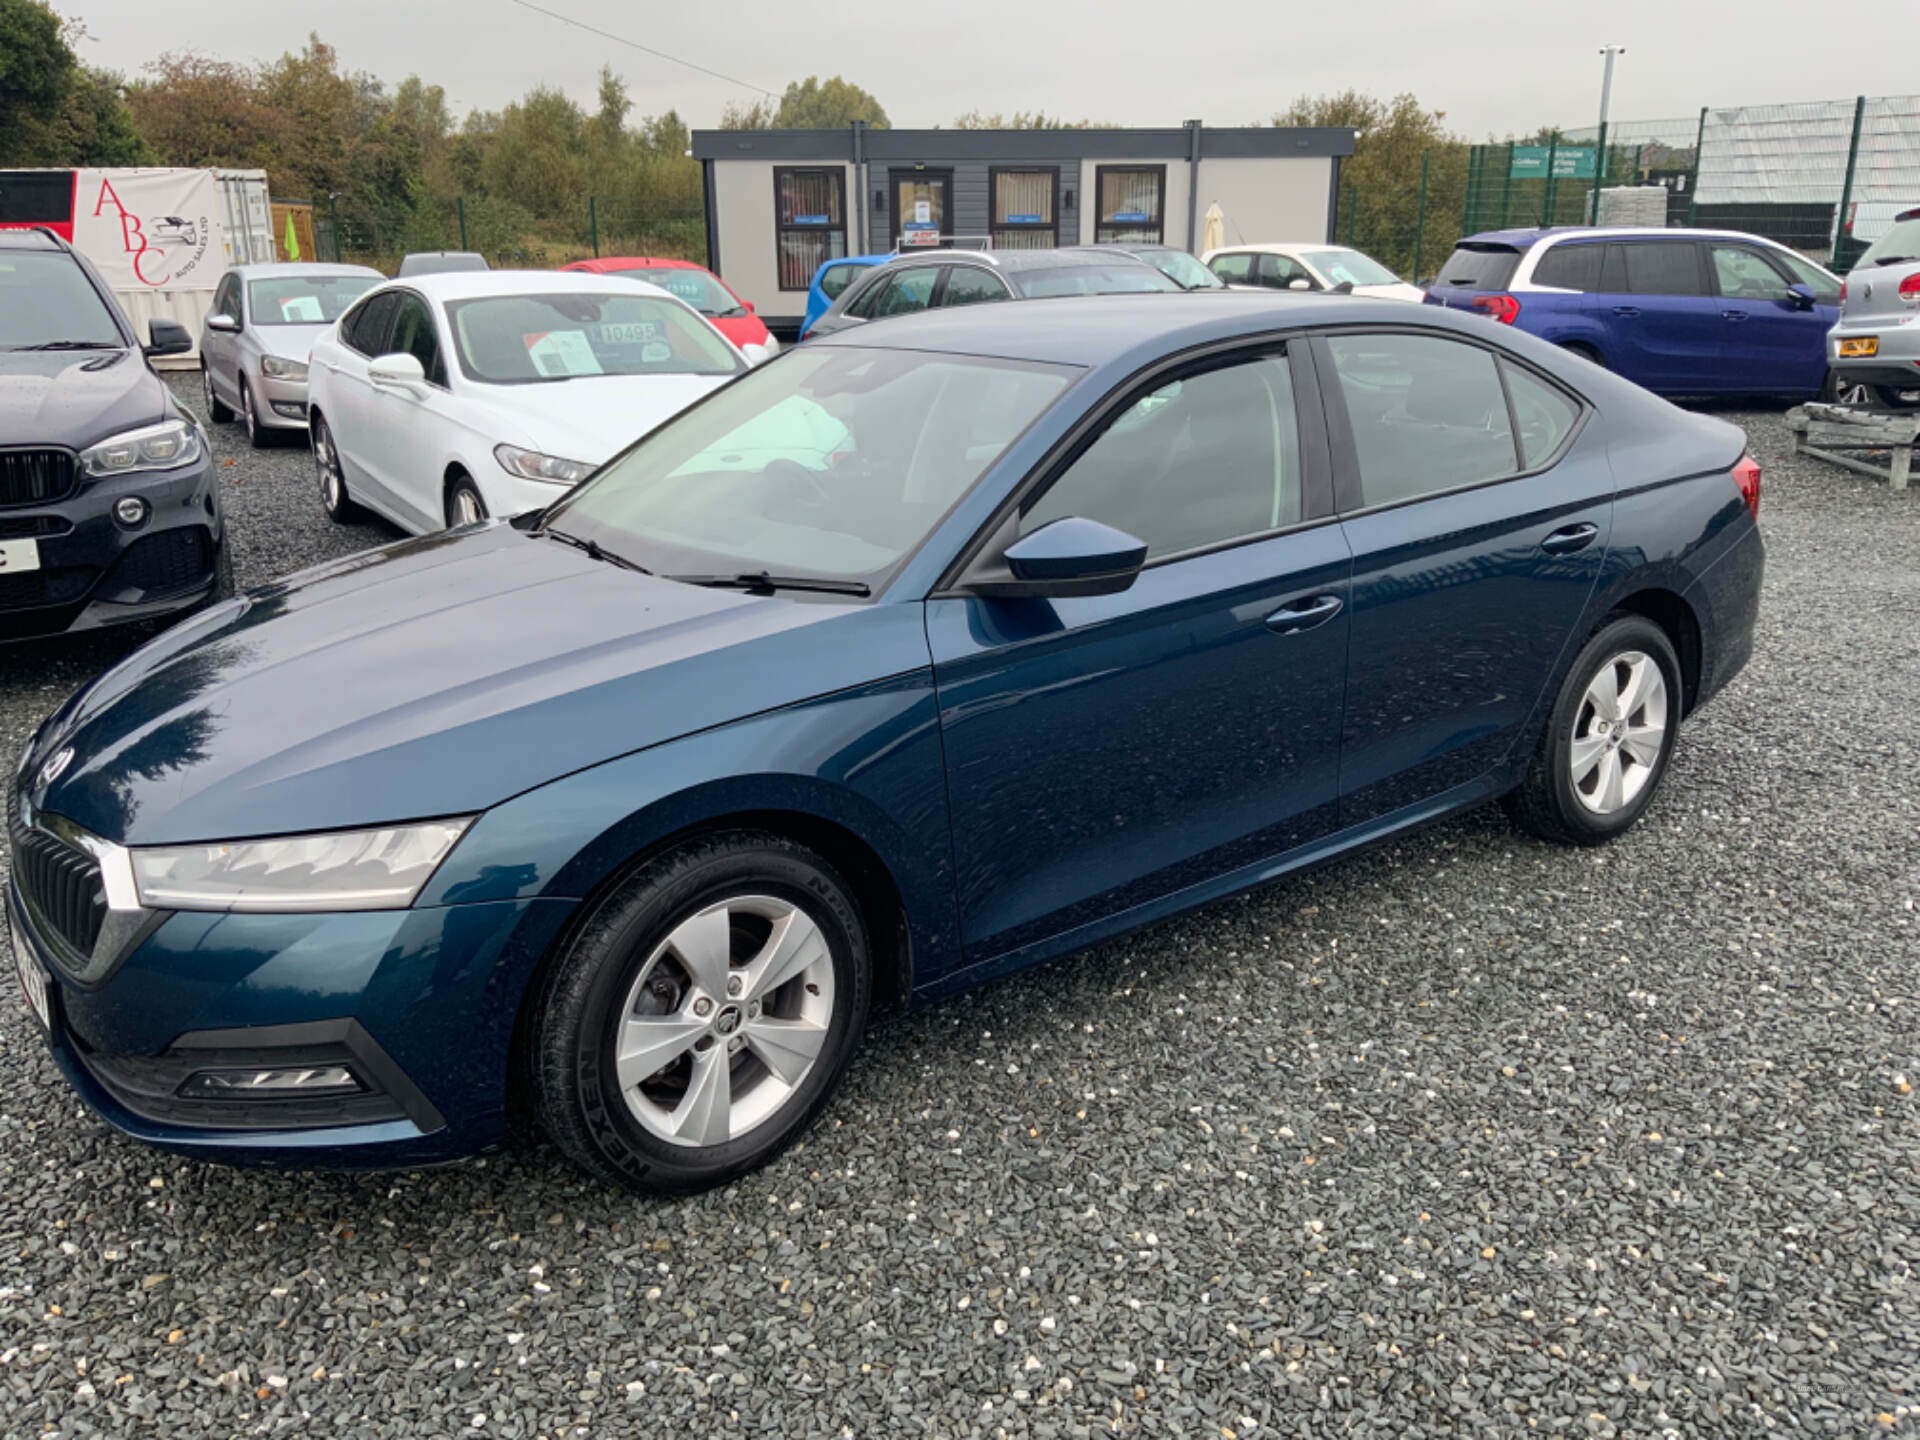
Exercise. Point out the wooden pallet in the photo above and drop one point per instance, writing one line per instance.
(1825, 431)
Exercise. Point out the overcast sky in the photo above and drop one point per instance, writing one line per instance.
(1491, 67)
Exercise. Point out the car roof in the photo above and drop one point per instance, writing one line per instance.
(301, 267)
(1522, 239)
(605, 264)
(1016, 260)
(1279, 247)
(30, 237)
(1132, 329)
(444, 285)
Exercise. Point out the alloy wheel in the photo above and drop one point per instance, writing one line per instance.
(246, 412)
(1619, 733)
(206, 388)
(725, 1020)
(327, 465)
(466, 505)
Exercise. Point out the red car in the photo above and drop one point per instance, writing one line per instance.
(700, 288)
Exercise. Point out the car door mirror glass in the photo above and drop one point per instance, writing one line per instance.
(218, 321)
(1069, 556)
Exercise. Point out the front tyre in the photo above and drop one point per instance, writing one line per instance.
(702, 1015)
(1609, 739)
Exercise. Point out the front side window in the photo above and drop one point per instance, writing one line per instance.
(901, 293)
(810, 225)
(1023, 209)
(45, 298)
(699, 289)
(1826, 289)
(968, 285)
(413, 334)
(366, 328)
(1198, 461)
(1350, 267)
(1278, 272)
(1129, 203)
(834, 463)
(1663, 267)
(306, 299)
(535, 339)
(1427, 414)
(1744, 274)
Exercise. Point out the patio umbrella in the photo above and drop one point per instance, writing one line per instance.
(1215, 235)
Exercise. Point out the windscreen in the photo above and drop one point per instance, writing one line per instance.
(1478, 268)
(1899, 245)
(1181, 268)
(45, 298)
(536, 339)
(834, 463)
(305, 299)
(1350, 267)
(1091, 280)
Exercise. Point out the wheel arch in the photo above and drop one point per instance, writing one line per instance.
(1674, 615)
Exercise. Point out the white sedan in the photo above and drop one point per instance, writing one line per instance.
(1309, 265)
(439, 400)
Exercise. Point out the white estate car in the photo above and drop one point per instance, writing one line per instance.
(1309, 265)
(442, 399)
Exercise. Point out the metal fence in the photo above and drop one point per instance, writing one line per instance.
(510, 235)
(1825, 177)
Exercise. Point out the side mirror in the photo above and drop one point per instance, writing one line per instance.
(167, 337)
(399, 371)
(1803, 297)
(747, 305)
(1066, 557)
(219, 321)
(1299, 282)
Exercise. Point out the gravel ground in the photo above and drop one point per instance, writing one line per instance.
(1472, 1135)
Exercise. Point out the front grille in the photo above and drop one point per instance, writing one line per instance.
(26, 527)
(33, 477)
(168, 560)
(60, 885)
(45, 587)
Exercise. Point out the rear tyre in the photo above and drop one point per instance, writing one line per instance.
(217, 411)
(702, 1015)
(1607, 744)
(1841, 390)
(464, 505)
(334, 500)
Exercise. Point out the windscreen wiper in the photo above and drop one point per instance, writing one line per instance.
(71, 345)
(764, 581)
(1896, 259)
(596, 551)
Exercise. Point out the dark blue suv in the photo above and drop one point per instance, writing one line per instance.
(1682, 312)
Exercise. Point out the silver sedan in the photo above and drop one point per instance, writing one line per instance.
(254, 345)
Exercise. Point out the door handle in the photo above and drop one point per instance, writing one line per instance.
(1733, 314)
(1629, 311)
(1305, 614)
(1572, 538)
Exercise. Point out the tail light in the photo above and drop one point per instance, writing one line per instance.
(1910, 288)
(1503, 307)
(1843, 292)
(1747, 476)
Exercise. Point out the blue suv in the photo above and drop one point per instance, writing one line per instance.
(1682, 312)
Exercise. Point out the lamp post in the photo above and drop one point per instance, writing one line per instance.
(1600, 138)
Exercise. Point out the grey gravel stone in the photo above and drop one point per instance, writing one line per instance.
(1470, 1135)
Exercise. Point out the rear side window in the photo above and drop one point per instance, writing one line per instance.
(1232, 268)
(835, 280)
(1570, 267)
(902, 293)
(1428, 414)
(1663, 267)
(1479, 267)
(1544, 415)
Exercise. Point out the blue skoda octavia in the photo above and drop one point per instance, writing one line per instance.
(924, 654)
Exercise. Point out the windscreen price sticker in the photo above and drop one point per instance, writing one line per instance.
(637, 332)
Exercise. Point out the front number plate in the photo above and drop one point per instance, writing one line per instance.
(18, 555)
(33, 980)
(1852, 349)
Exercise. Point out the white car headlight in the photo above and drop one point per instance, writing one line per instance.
(154, 447)
(381, 869)
(281, 369)
(532, 465)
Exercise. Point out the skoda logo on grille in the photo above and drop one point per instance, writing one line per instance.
(54, 768)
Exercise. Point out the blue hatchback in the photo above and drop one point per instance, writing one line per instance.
(934, 650)
(830, 279)
(1682, 312)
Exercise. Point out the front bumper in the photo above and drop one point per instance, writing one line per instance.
(283, 403)
(96, 572)
(421, 1005)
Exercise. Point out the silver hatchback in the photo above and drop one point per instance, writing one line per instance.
(254, 344)
(1873, 354)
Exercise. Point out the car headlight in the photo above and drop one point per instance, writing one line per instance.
(283, 369)
(380, 869)
(155, 447)
(532, 465)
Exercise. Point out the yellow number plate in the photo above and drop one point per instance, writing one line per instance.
(1853, 348)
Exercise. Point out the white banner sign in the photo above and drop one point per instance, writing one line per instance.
(150, 229)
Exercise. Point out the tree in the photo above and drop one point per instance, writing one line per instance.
(54, 110)
(1026, 120)
(198, 111)
(810, 104)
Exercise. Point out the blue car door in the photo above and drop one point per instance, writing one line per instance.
(1665, 315)
(1477, 511)
(1772, 341)
(1104, 752)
